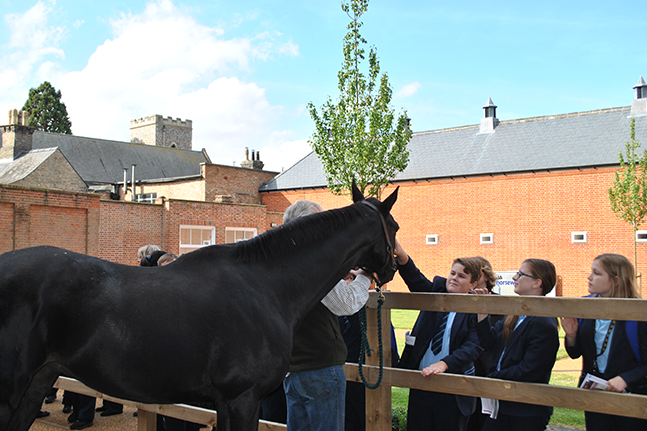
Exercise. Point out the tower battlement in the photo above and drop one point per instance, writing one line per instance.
(162, 132)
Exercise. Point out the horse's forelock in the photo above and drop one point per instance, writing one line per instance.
(289, 236)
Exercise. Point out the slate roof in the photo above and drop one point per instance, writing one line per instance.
(12, 171)
(567, 141)
(100, 161)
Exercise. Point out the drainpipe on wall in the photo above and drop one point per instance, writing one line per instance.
(125, 182)
(132, 180)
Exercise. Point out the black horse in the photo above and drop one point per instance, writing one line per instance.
(214, 326)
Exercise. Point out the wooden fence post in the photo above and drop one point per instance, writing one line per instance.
(378, 401)
(146, 421)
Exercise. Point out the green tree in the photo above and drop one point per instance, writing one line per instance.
(356, 138)
(46, 111)
(628, 195)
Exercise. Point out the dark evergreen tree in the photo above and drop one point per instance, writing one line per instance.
(46, 111)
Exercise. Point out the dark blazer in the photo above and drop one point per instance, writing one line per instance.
(463, 346)
(621, 361)
(529, 357)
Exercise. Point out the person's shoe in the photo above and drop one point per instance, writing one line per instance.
(42, 414)
(110, 413)
(101, 409)
(81, 425)
(49, 399)
(67, 409)
(73, 417)
(135, 413)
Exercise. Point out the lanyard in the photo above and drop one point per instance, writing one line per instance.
(604, 346)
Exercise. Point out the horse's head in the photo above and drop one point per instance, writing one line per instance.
(384, 265)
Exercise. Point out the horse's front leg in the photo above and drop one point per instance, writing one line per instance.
(240, 414)
(30, 403)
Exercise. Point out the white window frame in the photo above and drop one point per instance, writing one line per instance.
(641, 236)
(579, 237)
(487, 238)
(247, 230)
(186, 248)
(431, 239)
(147, 198)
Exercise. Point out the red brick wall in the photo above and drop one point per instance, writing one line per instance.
(530, 215)
(241, 183)
(126, 226)
(112, 230)
(31, 217)
(6, 226)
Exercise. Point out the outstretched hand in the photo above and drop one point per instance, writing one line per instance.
(401, 256)
(437, 368)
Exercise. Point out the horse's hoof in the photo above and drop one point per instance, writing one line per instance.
(80, 425)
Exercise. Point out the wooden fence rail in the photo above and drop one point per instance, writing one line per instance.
(378, 401)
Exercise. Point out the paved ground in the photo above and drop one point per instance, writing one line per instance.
(57, 420)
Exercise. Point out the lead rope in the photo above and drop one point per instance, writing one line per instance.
(365, 348)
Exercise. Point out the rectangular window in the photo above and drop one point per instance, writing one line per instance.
(148, 198)
(487, 238)
(235, 234)
(195, 237)
(579, 237)
(431, 239)
(641, 236)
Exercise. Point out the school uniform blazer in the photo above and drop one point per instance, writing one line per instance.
(621, 361)
(464, 345)
(529, 356)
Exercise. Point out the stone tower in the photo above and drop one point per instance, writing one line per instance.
(162, 132)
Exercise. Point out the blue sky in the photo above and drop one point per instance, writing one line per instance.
(244, 71)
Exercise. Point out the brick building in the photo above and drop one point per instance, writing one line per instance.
(505, 190)
(140, 193)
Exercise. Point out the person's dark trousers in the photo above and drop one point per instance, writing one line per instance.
(477, 419)
(173, 424)
(111, 408)
(513, 423)
(83, 407)
(604, 422)
(355, 419)
(433, 411)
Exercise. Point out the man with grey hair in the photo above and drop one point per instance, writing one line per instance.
(315, 386)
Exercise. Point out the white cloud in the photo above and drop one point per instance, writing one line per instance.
(162, 61)
(32, 41)
(409, 89)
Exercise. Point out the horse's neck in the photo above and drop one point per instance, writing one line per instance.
(312, 271)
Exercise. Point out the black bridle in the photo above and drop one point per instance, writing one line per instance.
(390, 260)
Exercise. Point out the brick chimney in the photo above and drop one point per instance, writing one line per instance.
(255, 163)
(16, 136)
(489, 123)
(639, 104)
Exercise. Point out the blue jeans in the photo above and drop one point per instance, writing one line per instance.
(316, 399)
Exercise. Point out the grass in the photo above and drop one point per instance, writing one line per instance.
(405, 319)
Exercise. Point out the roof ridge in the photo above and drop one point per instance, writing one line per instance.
(527, 119)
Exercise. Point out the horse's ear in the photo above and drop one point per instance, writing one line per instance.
(357, 195)
(388, 202)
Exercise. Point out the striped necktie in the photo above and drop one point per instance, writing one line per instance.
(437, 341)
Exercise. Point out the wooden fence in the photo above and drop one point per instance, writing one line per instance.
(378, 401)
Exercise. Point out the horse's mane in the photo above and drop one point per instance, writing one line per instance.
(291, 235)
